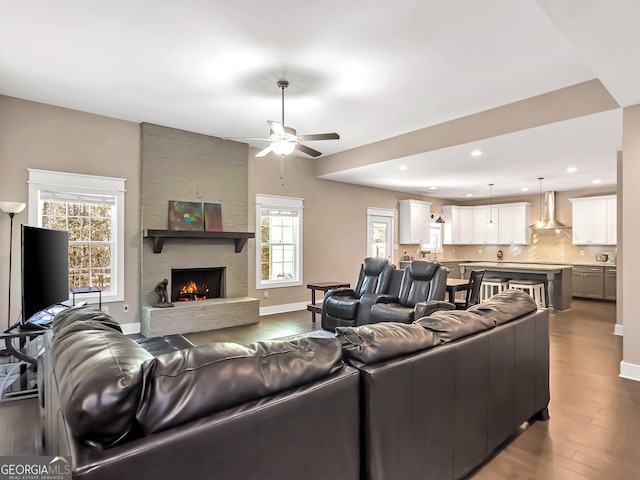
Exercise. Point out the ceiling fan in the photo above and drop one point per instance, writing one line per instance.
(284, 140)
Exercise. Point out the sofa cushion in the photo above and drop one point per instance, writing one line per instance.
(506, 306)
(189, 384)
(369, 344)
(391, 312)
(450, 325)
(99, 375)
(83, 318)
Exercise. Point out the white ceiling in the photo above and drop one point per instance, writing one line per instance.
(369, 70)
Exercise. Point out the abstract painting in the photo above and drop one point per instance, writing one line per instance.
(213, 217)
(185, 216)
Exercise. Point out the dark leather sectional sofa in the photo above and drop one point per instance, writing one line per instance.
(432, 399)
(442, 394)
(224, 411)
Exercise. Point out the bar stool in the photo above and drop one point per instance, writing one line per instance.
(533, 288)
(491, 286)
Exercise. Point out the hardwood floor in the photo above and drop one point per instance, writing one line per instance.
(269, 327)
(593, 433)
(18, 427)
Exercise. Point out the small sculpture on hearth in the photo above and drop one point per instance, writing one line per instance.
(161, 292)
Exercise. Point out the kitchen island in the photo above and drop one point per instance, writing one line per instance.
(556, 278)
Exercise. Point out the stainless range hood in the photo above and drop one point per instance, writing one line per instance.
(548, 219)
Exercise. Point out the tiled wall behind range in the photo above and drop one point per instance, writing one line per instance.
(547, 246)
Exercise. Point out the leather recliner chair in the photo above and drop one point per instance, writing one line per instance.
(422, 292)
(341, 307)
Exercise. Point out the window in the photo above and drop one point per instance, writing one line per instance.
(279, 241)
(435, 239)
(91, 209)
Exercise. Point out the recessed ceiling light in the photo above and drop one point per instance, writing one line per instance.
(403, 167)
(433, 188)
(476, 153)
(597, 181)
(469, 194)
(572, 170)
(525, 189)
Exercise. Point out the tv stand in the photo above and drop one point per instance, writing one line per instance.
(21, 385)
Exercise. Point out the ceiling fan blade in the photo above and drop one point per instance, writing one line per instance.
(264, 152)
(276, 127)
(307, 150)
(319, 136)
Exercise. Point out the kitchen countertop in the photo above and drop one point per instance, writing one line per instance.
(556, 277)
(503, 262)
(513, 265)
(594, 264)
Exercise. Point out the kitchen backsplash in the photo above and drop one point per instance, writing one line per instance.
(545, 246)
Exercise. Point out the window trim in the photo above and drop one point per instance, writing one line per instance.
(89, 184)
(292, 203)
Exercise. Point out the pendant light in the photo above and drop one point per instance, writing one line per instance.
(490, 223)
(540, 222)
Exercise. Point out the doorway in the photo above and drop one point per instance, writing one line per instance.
(380, 233)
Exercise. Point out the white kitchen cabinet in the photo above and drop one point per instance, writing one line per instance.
(458, 225)
(469, 225)
(415, 218)
(482, 232)
(513, 223)
(594, 220)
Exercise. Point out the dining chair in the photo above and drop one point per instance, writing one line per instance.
(473, 292)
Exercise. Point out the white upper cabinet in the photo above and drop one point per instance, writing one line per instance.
(415, 218)
(513, 224)
(469, 225)
(483, 233)
(594, 220)
(458, 225)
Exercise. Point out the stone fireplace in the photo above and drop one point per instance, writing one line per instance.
(211, 170)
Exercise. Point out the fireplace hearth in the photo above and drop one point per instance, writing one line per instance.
(192, 284)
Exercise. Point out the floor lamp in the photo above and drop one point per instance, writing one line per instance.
(11, 208)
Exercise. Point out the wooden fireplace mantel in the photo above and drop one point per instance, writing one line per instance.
(159, 237)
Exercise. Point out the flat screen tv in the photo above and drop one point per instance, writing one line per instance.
(45, 269)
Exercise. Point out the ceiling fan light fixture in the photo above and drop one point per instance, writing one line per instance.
(283, 147)
(284, 140)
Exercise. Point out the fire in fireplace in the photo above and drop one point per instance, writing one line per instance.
(188, 284)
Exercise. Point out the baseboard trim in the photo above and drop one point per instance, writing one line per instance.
(130, 328)
(284, 308)
(630, 371)
(618, 330)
